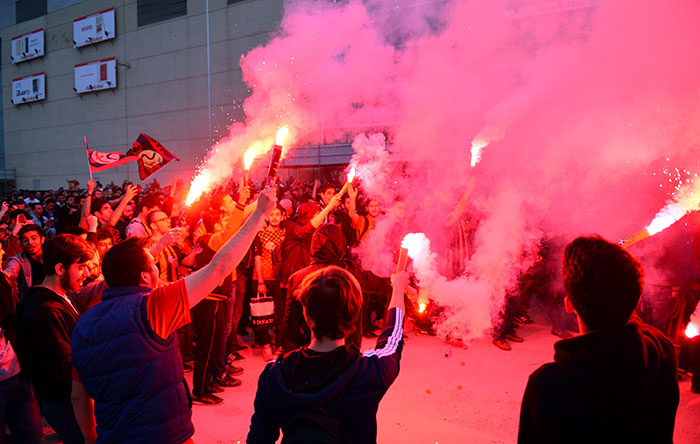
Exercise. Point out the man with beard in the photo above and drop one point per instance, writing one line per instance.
(45, 320)
(26, 269)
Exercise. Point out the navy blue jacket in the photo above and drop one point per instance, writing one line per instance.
(351, 383)
(134, 376)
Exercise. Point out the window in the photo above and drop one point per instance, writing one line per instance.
(29, 9)
(154, 11)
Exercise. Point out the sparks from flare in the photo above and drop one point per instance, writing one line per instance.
(205, 179)
(685, 200)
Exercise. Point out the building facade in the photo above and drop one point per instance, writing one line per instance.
(161, 85)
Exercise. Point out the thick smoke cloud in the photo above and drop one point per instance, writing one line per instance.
(583, 107)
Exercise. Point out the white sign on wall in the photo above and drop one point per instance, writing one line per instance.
(96, 76)
(29, 89)
(94, 28)
(27, 46)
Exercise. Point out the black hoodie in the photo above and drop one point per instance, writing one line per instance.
(341, 381)
(327, 248)
(45, 322)
(615, 385)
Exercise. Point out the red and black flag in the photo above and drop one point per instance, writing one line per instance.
(152, 156)
(72, 184)
(104, 161)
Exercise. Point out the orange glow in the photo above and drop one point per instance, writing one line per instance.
(248, 158)
(198, 186)
(421, 307)
(691, 331)
(351, 174)
(281, 135)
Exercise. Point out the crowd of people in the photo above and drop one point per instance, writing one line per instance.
(111, 293)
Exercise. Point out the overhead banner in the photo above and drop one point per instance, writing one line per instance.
(29, 89)
(28, 46)
(93, 28)
(96, 76)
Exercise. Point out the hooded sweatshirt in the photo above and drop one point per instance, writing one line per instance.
(344, 382)
(614, 385)
(327, 248)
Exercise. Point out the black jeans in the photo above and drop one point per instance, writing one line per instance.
(209, 319)
(19, 410)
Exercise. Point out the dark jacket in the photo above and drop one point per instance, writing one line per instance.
(8, 309)
(341, 381)
(327, 248)
(45, 322)
(134, 376)
(295, 249)
(609, 386)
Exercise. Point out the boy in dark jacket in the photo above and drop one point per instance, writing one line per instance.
(46, 317)
(617, 381)
(328, 374)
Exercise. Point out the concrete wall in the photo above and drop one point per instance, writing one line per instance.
(162, 91)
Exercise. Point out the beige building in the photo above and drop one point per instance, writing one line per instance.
(160, 47)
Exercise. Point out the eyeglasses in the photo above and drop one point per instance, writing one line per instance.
(161, 220)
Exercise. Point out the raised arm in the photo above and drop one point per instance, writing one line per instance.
(202, 282)
(88, 202)
(352, 206)
(318, 219)
(129, 194)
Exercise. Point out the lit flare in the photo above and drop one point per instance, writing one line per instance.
(691, 331)
(281, 135)
(477, 146)
(248, 158)
(415, 244)
(198, 186)
(687, 199)
(351, 177)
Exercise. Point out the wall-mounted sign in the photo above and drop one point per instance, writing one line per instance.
(95, 76)
(93, 28)
(28, 46)
(29, 89)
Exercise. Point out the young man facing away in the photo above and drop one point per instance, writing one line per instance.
(328, 374)
(125, 350)
(45, 319)
(614, 383)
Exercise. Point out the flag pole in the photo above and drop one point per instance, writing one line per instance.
(87, 154)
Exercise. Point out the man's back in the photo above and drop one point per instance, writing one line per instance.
(611, 385)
